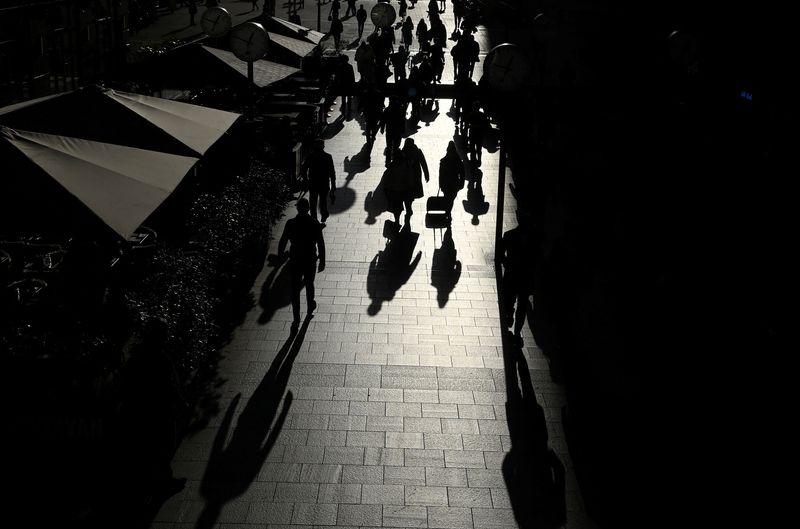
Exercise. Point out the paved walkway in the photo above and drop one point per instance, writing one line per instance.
(393, 406)
(389, 408)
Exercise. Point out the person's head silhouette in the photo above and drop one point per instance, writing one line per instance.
(303, 206)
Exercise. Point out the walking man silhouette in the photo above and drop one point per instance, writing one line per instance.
(318, 170)
(305, 235)
(361, 17)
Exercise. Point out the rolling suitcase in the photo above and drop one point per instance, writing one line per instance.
(436, 212)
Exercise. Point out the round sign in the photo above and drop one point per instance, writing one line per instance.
(507, 68)
(383, 15)
(216, 21)
(249, 41)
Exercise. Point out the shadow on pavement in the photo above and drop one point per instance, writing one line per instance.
(390, 269)
(533, 473)
(233, 467)
(375, 202)
(276, 291)
(360, 161)
(445, 268)
(475, 204)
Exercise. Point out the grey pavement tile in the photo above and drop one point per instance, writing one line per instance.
(490, 397)
(344, 455)
(258, 491)
(389, 457)
(315, 513)
(456, 397)
(500, 499)
(296, 492)
(476, 411)
(465, 458)
(403, 409)
(377, 409)
(347, 422)
(447, 441)
(321, 473)
(384, 424)
(469, 497)
(404, 475)
(364, 439)
(303, 454)
(339, 493)
(445, 477)
(404, 440)
(424, 458)
(468, 361)
(416, 495)
(422, 424)
(385, 394)
(437, 360)
(408, 382)
(469, 384)
(421, 395)
(270, 513)
(280, 472)
(326, 438)
(356, 394)
(468, 426)
(485, 477)
(493, 427)
(493, 518)
(482, 442)
(405, 516)
(393, 494)
(308, 421)
(365, 475)
(494, 460)
(440, 410)
(360, 515)
(449, 518)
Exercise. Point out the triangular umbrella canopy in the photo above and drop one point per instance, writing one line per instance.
(265, 72)
(121, 118)
(299, 31)
(195, 126)
(297, 47)
(121, 185)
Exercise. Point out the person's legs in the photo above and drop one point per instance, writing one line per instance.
(519, 316)
(310, 273)
(323, 205)
(407, 203)
(297, 285)
(312, 200)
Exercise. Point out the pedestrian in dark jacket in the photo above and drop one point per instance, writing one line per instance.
(407, 32)
(336, 31)
(351, 8)
(192, 12)
(417, 167)
(361, 17)
(305, 235)
(477, 126)
(393, 121)
(321, 176)
(345, 82)
(451, 175)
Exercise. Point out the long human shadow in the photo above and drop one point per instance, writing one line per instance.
(375, 202)
(359, 162)
(275, 292)
(391, 268)
(475, 204)
(429, 111)
(445, 268)
(534, 475)
(233, 467)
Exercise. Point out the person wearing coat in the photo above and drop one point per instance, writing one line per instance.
(451, 175)
(417, 166)
(397, 185)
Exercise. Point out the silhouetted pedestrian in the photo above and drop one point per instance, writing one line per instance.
(417, 167)
(451, 175)
(192, 12)
(477, 126)
(393, 122)
(344, 82)
(361, 17)
(422, 32)
(407, 32)
(351, 8)
(437, 63)
(399, 60)
(365, 62)
(520, 246)
(433, 8)
(458, 13)
(305, 235)
(336, 31)
(397, 185)
(334, 12)
(371, 106)
(321, 177)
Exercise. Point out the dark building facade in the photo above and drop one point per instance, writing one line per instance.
(48, 47)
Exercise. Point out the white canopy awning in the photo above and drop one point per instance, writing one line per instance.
(300, 48)
(265, 72)
(121, 185)
(302, 32)
(194, 126)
